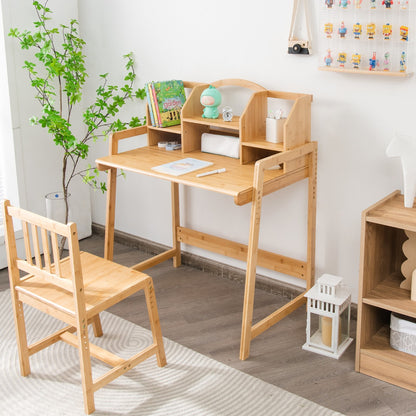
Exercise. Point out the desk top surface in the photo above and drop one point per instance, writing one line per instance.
(237, 181)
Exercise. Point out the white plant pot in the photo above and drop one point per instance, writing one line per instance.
(79, 211)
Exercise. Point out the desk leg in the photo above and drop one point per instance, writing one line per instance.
(176, 245)
(250, 284)
(111, 211)
(310, 268)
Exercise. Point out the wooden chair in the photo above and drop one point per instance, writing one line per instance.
(75, 290)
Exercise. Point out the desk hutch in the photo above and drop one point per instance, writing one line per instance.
(247, 180)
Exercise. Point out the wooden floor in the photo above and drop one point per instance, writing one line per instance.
(203, 312)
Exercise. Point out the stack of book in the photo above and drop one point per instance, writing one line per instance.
(165, 100)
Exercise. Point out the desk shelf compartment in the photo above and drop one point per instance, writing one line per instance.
(250, 126)
(383, 234)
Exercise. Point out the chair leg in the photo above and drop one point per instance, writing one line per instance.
(154, 322)
(85, 364)
(21, 337)
(96, 324)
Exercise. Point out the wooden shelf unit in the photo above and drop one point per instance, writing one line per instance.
(249, 127)
(367, 72)
(382, 237)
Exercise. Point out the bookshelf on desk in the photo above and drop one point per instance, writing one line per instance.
(247, 180)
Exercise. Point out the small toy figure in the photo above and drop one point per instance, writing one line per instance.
(404, 33)
(329, 3)
(344, 3)
(387, 31)
(356, 60)
(342, 30)
(328, 29)
(386, 62)
(403, 4)
(342, 58)
(372, 4)
(373, 61)
(328, 59)
(387, 3)
(210, 99)
(371, 30)
(403, 66)
(357, 30)
(357, 4)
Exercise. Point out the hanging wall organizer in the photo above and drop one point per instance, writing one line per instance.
(367, 36)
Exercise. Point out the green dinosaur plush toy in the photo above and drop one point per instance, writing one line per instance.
(210, 99)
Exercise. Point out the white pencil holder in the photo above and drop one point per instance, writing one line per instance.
(274, 129)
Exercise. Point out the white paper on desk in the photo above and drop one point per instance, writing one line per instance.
(182, 166)
(220, 144)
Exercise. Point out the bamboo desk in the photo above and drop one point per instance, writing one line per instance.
(245, 183)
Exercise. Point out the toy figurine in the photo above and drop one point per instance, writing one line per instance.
(387, 3)
(357, 30)
(328, 29)
(403, 66)
(386, 62)
(404, 33)
(344, 3)
(342, 58)
(356, 60)
(210, 99)
(342, 30)
(387, 31)
(328, 59)
(403, 4)
(371, 30)
(329, 3)
(372, 4)
(373, 61)
(357, 4)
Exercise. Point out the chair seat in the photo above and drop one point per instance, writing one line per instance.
(105, 284)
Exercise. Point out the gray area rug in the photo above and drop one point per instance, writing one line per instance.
(190, 384)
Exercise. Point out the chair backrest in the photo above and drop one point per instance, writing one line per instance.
(50, 269)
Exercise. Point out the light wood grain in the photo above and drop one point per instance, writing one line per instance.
(248, 179)
(383, 226)
(86, 285)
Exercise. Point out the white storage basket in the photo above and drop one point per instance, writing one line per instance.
(403, 333)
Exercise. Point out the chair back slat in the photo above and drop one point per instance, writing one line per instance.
(56, 257)
(51, 271)
(36, 249)
(46, 251)
(26, 239)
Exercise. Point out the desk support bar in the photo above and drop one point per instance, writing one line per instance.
(248, 332)
(175, 224)
(278, 315)
(111, 212)
(266, 259)
(160, 258)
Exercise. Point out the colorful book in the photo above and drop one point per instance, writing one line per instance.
(157, 114)
(152, 107)
(182, 166)
(170, 98)
(149, 104)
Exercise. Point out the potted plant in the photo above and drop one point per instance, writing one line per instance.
(58, 76)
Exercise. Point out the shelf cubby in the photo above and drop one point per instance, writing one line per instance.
(383, 234)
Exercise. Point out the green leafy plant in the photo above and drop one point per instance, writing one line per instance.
(58, 77)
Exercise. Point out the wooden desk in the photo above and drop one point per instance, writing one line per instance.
(246, 180)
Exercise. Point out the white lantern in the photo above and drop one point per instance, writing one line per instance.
(328, 317)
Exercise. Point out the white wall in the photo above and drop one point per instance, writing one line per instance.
(353, 119)
(38, 160)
